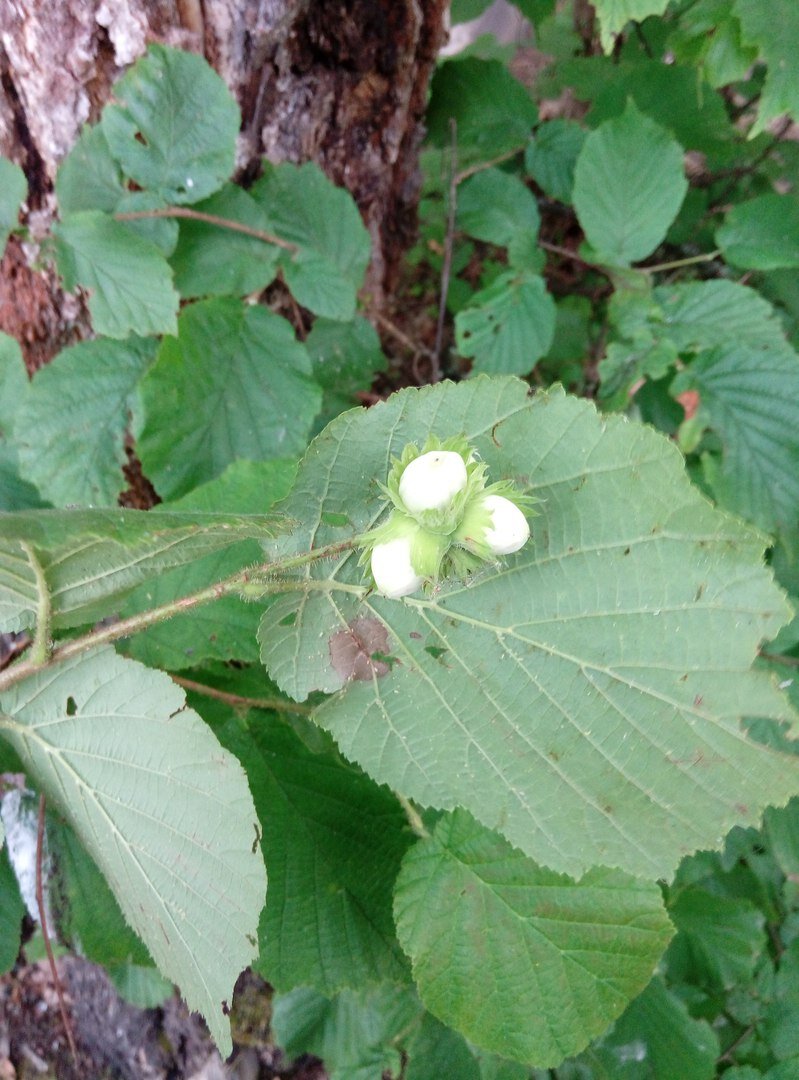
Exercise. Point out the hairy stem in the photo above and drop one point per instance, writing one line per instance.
(232, 585)
(236, 701)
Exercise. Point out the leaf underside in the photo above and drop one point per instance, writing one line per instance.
(584, 698)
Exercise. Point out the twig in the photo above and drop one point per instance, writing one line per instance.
(449, 243)
(400, 335)
(481, 166)
(690, 260)
(778, 658)
(48, 948)
(237, 701)
(209, 219)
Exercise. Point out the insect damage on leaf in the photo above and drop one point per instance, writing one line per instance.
(356, 653)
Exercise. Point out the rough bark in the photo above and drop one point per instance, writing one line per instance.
(340, 83)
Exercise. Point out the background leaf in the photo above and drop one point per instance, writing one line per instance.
(493, 111)
(333, 841)
(628, 186)
(90, 556)
(70, 427)
(12, 909)
(305, 208)
(750, 397)
(163, 810)
(508, 326)
(128, 280)
(226, 629)
(521, 960)
(345, 357)
(495, 206)
(354, 1032)
(89, 177)
(615, 14)
(210, 260)
(774, 29)
(762, 234)
(174, 125)
(656, 1037)
(569, 695)
(550, 157)
(235, 383)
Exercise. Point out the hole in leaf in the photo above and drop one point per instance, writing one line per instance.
(72, 706)
(288, 620)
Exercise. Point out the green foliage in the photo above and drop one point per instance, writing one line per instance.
(129, 281)
(71, 423)
(173, 126)
(464, 798)
(762, 234)
(161, 808)
(234, 383)
(674, 615)
(615, 14)
(12, 909)
(774, 30)
(628, 187)
(582, 978)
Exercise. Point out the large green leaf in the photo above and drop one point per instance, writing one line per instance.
(211, 260)
(305, 208)
(333, 842)
(523, 961)
(583, 698)
(173, 125)
(128, 279)
(13, 189)
(160, 806)
(615, 14)
(774, 29)
(750, 397)
(762, 234)
(70, 427)
(628, 186)
(89, 557)
(508, 326)
(235, 383)
(551, 155)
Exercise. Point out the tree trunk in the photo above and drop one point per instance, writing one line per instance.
(340, 83)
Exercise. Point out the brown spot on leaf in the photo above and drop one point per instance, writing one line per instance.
(354, 651)
(689, 399)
